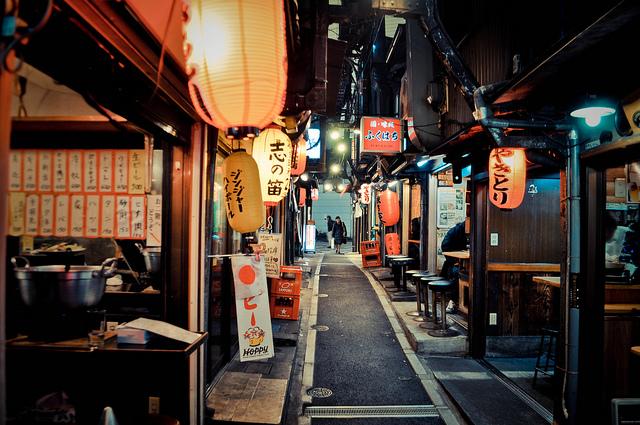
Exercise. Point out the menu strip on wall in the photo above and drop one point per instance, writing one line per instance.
(15, 170)
(92, 216)
(137, 171)
(138, 217)
(75, 171)
(123, 217)
(30, 170)
(46, 215)
(62, 216)
(16, 213)
(121, 176)
(90, 166)
(60, 171)
(106, 171)
(32, 215)
(107, 216)
(77, 215)
(44, 171)
(154, 220)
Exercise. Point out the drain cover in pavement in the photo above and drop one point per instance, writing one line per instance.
(320, 328)
(323, 295)
(350, 412)
(319, 392)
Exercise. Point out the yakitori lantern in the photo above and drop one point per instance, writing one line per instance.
(388, 207)
(392, 244)
(236, 60)
(242, 195)
(299, 157)
(302, 198)
(272, 152)
(507, 177)
(365, 193)
(314, 194)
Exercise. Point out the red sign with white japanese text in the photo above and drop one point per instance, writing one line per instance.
(381, 135)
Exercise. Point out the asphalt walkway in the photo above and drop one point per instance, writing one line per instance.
(358, 358)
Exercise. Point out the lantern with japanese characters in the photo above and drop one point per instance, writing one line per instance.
(236, 59)
(242, 195)
(272, 152)
(507, 177)
(392, 244)
(365, 193)
(388, 207)
(299, 157)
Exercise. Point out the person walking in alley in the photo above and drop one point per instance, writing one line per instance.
(329, 231)
(339, 233)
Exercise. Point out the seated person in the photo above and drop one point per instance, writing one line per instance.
(454, 240)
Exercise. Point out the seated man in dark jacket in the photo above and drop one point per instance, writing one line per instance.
(454, 240)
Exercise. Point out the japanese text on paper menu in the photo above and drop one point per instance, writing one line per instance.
(81, 193)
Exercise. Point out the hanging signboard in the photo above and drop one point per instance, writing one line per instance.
(271, 250)
(310, 238)
(381, 135)
(255, 336)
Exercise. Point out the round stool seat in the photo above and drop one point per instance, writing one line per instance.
(428, 279)
(412, 272)
(402, 261)
(440, 285)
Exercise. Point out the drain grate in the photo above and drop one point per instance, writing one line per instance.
(320, 392)
(409, 411)
(320, 328)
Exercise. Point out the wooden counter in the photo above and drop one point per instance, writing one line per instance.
(621, 308)
(547, 280)
(463, 255)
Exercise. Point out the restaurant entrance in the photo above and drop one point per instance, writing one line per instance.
(610, 302)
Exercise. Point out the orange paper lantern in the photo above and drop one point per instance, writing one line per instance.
(507, 177)
(388, 207)
(272, 152)
(392, 244)
(302, 198)
(299, 157)
(242, 195)
(236, 60)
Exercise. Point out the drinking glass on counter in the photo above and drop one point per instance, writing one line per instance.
(97, 327)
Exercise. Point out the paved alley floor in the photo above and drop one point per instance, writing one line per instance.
(358, 357)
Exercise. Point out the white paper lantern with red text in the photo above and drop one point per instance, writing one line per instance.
(272, 152)
(507, 177)
(236, 58)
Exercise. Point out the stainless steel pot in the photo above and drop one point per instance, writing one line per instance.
(151, 257)
(68, 287)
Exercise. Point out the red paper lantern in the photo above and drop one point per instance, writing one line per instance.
(302, 197)
(392, 244)
(299, 157)
(507, 177)
(236, 58)
(388, 207)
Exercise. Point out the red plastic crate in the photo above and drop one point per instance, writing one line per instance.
(369, 247)
(290, 287)
(284, 307)
(371, 260)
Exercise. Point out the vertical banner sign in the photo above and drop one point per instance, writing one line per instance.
(310, 238)
(271, 250)
(107, 216)
(30, 160)
(15, 171)
(44, 172)
(93, 214)
(154, 220)
(90, 171)
(255, 336)
(60, 171)
(33, 205)
(121, 177)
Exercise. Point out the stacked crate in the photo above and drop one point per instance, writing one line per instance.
(285, 293)
(370, 251)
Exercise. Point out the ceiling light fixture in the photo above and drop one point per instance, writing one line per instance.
(593, 114)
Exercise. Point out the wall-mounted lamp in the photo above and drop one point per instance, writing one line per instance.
(593, 114)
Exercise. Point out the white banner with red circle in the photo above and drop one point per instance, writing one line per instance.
(255, 336)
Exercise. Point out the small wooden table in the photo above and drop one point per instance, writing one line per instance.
(463, 284)
(547, 280)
